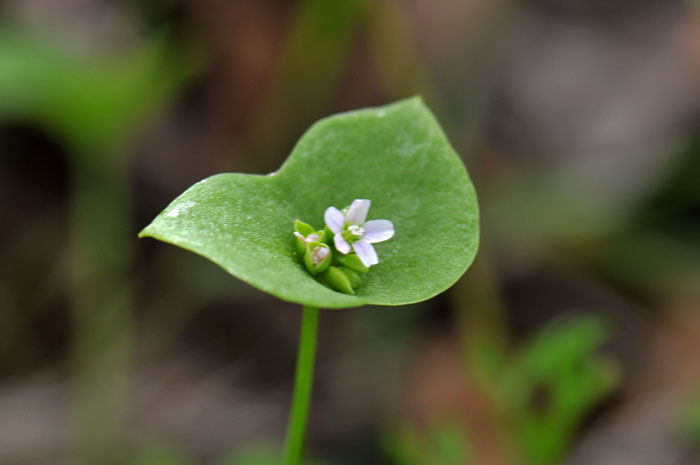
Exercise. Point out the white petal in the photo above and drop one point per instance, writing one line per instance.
(334, 219)
(365, 252)
(341, 244)
(378, 231)
(358, 211)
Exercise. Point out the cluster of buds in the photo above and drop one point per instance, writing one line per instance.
(341, 253)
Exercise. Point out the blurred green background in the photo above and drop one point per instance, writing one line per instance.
(573, 339)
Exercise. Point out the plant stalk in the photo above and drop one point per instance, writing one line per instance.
(299, 415)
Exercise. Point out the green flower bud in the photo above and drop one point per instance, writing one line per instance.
(353, 277)
(303, 228)
(338, 280)
(353, 262)
(317, 257)
(322, 237)
(302, 241)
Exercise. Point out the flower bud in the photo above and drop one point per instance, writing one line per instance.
(317, 257)
(302, 241)
(338, 280)
(303, 228)
(352, 276)
(353, 262)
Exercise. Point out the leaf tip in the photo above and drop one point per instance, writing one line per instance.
(144, 233)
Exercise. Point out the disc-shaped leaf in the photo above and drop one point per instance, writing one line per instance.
(397, 156)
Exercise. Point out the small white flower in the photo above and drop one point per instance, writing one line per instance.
(352, 232)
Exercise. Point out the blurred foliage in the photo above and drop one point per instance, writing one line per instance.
(89, 102)
(674, 205)
(261, 455)
(652, 250)
(395, 54)
(155, 455)
(552, 385)
(543, 394)
(92, 104)
(690, 417)
(250, 455)
(440, 443)
(315, 55)
(657, 253)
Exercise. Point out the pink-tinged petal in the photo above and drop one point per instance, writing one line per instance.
(341, 244)
(378, 231)
(358, 211)
(366, 253)
(334, 219)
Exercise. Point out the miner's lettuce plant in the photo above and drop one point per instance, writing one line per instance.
(395, 156)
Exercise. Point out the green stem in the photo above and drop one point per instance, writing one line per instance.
(296, 431)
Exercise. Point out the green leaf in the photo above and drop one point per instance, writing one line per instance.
(397, 156)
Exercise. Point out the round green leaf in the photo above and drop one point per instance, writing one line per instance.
(397, 156)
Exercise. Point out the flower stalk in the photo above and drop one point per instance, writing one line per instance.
(299, 414)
